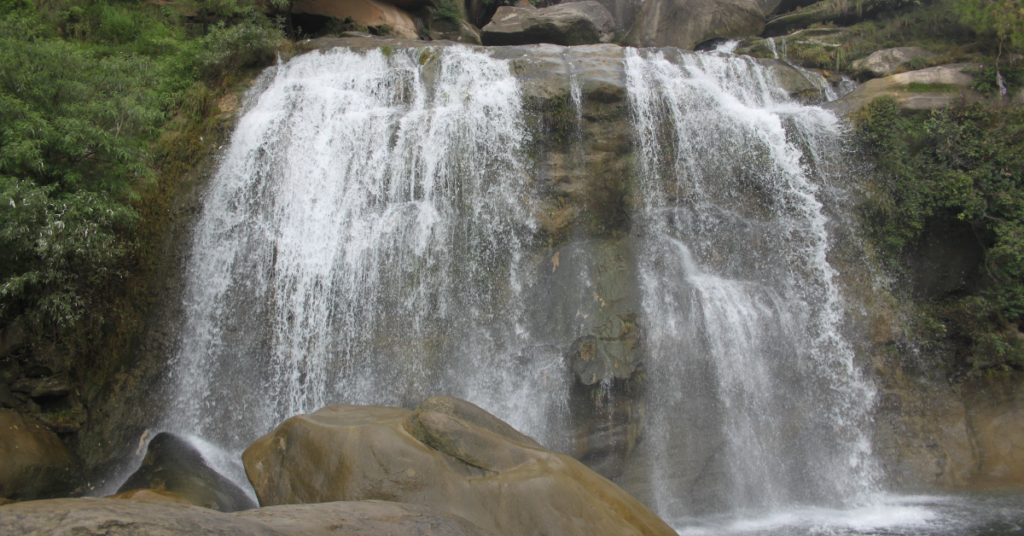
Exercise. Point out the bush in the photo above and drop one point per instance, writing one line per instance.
(965, 163)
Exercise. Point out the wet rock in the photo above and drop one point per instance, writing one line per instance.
(924, 89)
(470, 413)
(364, 12)
(687, 23)
(154, 517)
(574, 23)
(111, 517)
(35, 463)
(995, 414)
(362, 453)
(362, 518)
(43, 387)
(461, 32)
(173, 464)
(151, 495)
(623, 13)
(886, 62)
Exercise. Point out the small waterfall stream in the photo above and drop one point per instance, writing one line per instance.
(370, 238)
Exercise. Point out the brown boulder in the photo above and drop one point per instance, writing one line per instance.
(362, 518)
(345, 453)
(365, 12)
(924, 89)
(573, 23)
(73, 517)
(35, 463)
(687, 23)
(110, 517)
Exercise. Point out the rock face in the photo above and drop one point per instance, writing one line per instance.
(885, 62)
(111, 517)
(173, 465)
(575, 23)
(687, 23)
(362, 518)
(995, 413)
(925, 89)
(35, 463)
(60, 517)
(623, 13)
(365, 12)
(499, 483)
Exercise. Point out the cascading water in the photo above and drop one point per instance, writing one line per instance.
(758, 404)
(362, 242)
(369, 239)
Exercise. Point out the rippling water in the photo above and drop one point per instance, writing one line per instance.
(989, 514)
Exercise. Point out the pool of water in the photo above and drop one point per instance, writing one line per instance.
(989, 514)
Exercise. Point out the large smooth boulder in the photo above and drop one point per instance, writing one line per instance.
(174, 465)
(575, 23)
(504, 486)
(74, 517)
(885, 62)
(365, 12)
(111, 517)
(687, 23)
(34, 463)
(921, 90)
(362, 518)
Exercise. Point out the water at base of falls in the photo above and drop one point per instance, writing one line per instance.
(368, 239)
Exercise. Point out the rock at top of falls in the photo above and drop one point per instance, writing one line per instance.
(344, 453)
(391, 223)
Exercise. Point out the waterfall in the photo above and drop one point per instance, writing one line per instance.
(369, 237)
(362, 242)
(759, 403)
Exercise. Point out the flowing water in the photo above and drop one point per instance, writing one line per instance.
(368, 239)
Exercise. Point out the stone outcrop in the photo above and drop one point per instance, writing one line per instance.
(60, 517)
(995, 415)
(34, 463)
(623, 13)
(173, 465)
(362, 518)
(885, 62)
(924, 89)
(364, 12)
(574, 23)
(688, 23)
(499, 484)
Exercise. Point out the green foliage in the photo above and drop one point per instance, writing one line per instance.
(963, 163)
(1001, 19)
(986, 79)
(447, 10)
(97, 100)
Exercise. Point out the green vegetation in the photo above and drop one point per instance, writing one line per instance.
(962, 165)
(447, 10)
(102, 104)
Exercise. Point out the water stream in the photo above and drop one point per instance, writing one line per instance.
(368, 238)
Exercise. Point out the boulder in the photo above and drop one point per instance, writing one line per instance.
(362, 518)
(623, 13)
(364, 12)
(925, 89)
(35, 463)
(110, 517)
(349, 453)
(67, 517)
(885, 62)
(688, 23)
(461, 32)
(172, 464)
(575, 23)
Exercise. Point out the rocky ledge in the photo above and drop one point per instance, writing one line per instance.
(447, 468)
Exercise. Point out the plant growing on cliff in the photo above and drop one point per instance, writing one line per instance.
(93, 101)
(963, 164)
